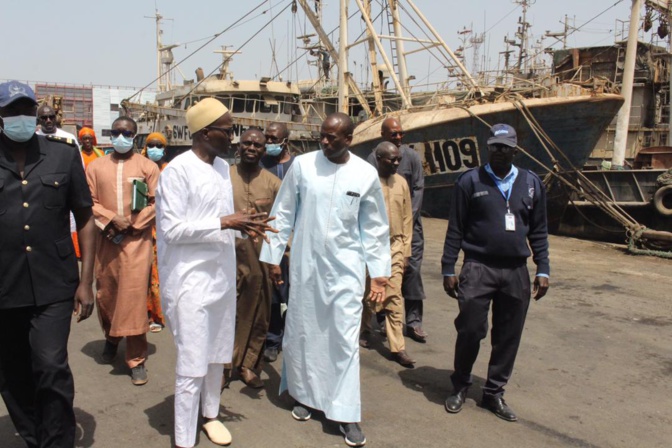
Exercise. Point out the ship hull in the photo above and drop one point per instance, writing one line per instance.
(452, 140)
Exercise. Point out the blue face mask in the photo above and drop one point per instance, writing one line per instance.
(19, 128)
(154, 154)
(122, 144)
(273, 149)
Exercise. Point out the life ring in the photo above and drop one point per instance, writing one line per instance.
(662, 200)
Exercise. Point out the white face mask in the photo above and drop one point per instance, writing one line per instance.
(19, 128)
(122, 144)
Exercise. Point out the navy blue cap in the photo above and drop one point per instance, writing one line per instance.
(14, 90)
(503, 134)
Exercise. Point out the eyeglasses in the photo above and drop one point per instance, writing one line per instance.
(158, 145)
(47, 117)
(397, 134)
(500, 148)
(227, 131)
(257, 145)
(117, 133)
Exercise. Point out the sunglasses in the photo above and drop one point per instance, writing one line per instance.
(395, 159)
(397, 134)
(227, 131)
(47, 117)
(158, 145)
(274, 139)
(257, 145)
(500, 148)
(117, 133)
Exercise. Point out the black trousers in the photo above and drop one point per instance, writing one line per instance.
(35, 379)
(411, 287)
(509, 291)
(276, 325)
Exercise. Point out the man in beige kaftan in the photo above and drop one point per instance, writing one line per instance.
(254, 188)
(124, 246)
(400, 215)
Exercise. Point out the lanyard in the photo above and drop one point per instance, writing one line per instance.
(506, 195)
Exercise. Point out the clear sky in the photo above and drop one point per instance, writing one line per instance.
(112, 43)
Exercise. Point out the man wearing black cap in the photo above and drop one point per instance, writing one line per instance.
(495, 211)
(41, 181)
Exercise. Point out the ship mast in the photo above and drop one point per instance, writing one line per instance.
(343, 98)
(522, 34)
(405, 100)
(164, 56)
(373, 58)
(623, 120)
(399, 43)
(465, 76)
(332, 52)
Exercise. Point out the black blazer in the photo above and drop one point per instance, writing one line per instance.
(38, 265)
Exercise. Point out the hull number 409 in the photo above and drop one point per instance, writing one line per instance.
(448, 156)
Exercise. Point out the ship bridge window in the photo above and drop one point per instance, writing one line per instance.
(291, 106)
(284, 104)
(226, 101)
(250, 104)
(238, 104)
(269, 105)
(186, 103)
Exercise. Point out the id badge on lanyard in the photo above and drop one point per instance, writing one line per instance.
(509, 219)
(510, 222)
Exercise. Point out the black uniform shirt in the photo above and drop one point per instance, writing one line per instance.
(38, 265)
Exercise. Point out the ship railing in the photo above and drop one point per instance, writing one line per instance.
(627, 187)
(263, 108)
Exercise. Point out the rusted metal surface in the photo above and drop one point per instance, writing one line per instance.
(607, 61)
(657, 157)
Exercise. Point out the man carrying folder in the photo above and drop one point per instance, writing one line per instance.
(122, 187)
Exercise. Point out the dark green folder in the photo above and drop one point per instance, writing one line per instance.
(139, 196)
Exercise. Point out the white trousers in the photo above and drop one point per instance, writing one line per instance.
(188, 392)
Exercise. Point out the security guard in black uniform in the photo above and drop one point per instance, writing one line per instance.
(498, 219)
(41, 181)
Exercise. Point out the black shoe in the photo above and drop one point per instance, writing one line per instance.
(109, 352)
(365, 339)
(271, 354)
(455, 401)
(226, 380)
(498, 406)
(139, 375)
(300, 412)
(352, 434)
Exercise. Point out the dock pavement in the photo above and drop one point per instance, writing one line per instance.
(594, 370)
